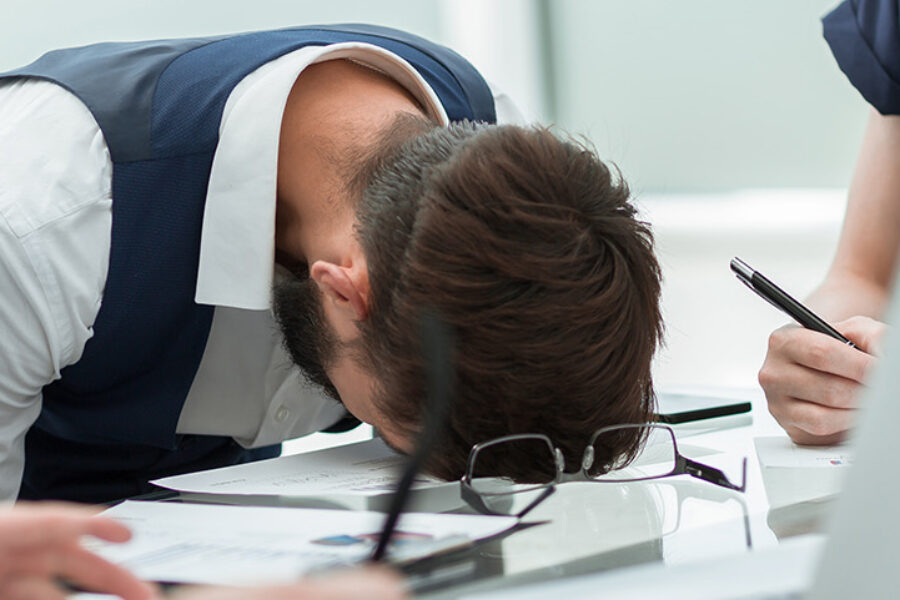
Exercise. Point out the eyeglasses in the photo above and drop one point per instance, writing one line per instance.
(652, 453)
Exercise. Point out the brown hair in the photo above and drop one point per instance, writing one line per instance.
(527, 245)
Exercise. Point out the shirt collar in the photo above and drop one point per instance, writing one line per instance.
(237, 242)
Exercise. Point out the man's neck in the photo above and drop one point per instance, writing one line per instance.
(332, 114)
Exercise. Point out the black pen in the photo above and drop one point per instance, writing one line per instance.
(438, 346)
(781, 300)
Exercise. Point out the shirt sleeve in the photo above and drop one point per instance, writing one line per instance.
(24, 360)
(507, 111)
(55, 220)
(864, 36)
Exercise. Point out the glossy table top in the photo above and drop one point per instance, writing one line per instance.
(592, 527)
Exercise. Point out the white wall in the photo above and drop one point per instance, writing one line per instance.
(684, 95)
(716, 328)
(689, 95)
(30, 27)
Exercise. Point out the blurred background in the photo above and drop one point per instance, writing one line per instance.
(730, 120)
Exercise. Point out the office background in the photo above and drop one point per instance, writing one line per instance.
(730, 120)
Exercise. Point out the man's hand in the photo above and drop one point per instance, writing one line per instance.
(812, 381)
(361, 584)
(39, 546)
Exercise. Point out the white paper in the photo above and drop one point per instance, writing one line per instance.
(235, 545)
(780, 451)
(365, 468)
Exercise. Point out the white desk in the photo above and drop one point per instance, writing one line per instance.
(594, 527)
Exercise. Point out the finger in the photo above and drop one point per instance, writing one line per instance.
(33, 526)
(865, 332)
(36, 561)
(94, 573)
(820, 352)
(813, 420)
(57, 507)
(30, 588)
(796, 382)
(108, 529)
(76, 565)
(803, 438)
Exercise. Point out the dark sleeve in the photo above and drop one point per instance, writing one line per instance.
(864, 36)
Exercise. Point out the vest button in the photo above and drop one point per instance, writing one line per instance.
(282, 414)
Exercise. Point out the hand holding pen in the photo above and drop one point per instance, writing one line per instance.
(812, 374)
(783, 301)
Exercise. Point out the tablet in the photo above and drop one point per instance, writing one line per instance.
(674, 408)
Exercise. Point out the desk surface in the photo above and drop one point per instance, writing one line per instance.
(594, 527)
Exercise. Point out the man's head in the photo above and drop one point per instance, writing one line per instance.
(528, 247)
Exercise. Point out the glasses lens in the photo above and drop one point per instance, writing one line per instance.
(633, 452)
(510, 474)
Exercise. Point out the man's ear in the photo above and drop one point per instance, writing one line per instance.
(346, 287)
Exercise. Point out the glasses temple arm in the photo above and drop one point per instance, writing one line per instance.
(713, 475)
(547, 492)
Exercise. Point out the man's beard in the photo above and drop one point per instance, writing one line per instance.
(308, 338)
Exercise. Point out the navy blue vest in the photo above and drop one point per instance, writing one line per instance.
(108, 425)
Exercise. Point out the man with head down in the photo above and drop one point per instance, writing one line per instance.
(211, 245)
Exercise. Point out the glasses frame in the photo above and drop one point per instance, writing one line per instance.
(475, 499)
(682, 466)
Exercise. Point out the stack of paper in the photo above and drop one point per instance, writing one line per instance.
(781, 452)
(793, 473)
(357, 476)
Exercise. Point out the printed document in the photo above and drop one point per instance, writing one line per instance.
(358, 476)
(781, 452)
(236, 545)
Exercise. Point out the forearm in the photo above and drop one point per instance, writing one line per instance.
(842, 295)
(860, 279)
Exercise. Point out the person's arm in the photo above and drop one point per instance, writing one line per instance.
(860, 278)
(54, 249)
(864, 37)
(40, 549)
(812, 381)
(363, 584)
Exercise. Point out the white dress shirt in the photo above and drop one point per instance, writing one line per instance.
(55, 224)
